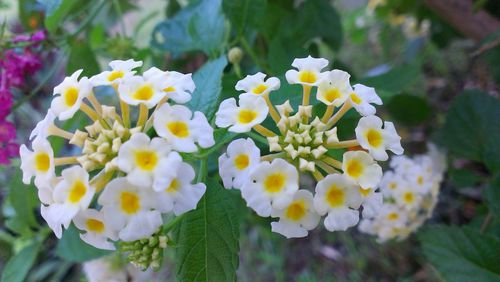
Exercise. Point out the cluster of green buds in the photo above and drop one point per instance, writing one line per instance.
(145, 253)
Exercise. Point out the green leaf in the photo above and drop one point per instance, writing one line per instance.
(199, 26)
(18, 266)
(208, 81)
(472, 128)
(208, 237)
(81, 56)
(396, 80)
(55, 11)
(409, 109)
(244, 13)
(71, 248)
(462, 254)
(492, 195)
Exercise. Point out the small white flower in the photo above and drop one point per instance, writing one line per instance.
(71, 195)
(335, 89)
(407, 198)
(252, 110)
(362, 98)
(235, 165)
(69, 95)
(178, 86)
(392, 216)
(360, 167)
(372, 202)
(179, 194)
(391, 182)
(38, 163)
(130, 208)
(339, 198)
(309, 71)
(297, 217)
(182, 129)
(255, 84)
(270, 185)
(420, 178)
(140, 158)
(376, 140)
(97, 230)
(41, 129)
(137, 90)
(119, 71)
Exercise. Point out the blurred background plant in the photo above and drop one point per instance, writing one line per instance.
(435, 65)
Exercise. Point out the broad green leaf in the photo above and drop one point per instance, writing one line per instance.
(81, 56)
(24, 199)
(472, 128)
(55, 11)
(244, 13)
(208, 237)
(462, 254)
(492, 195)
(409, 109)
(71, 247)
(18, 266)
(395, 80)
(199, 26)
(208, 81)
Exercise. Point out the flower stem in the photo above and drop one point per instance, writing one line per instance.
(342, 144)
(143, 115)
(65, 160)
(333, 162)
(56, 131)
(339, 114)
(272, 111)
(328, 113)
(253, 56)
(263, 131)
(257, 137)
(306, 93)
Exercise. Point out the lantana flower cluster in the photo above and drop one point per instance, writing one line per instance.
(15, 65)
(305, 143)
(410, 193)
(127, 170)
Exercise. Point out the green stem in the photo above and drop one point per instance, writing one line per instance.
(486, 222)
(251, 53)
(119, 11)
(216, 146)
(89, 18)
(6, 237)
(203, 170)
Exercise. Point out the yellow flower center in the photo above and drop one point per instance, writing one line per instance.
(296, 210)
(259, 89)
(42, 162)
(76, 192)
(374, 138)
(95, 225)
(169, 89)
(129, 202)
(178, 128)
(115, 75)
(354, 168)
(274, 182)
(408, 197)
(392, 216)
(335, 196)
(146, 160)
(173, 187)
(144, 93)
(307, 77)
(420, 180)
(393, 185)
(332, 94)
(246, 116)
(355, 99)
(241, 161)
(70, 96)
(364, 192)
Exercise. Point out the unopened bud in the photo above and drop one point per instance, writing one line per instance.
(235, 55)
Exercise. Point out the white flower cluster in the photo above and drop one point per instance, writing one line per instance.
(410, 192)
(122, 180)
(304, 143)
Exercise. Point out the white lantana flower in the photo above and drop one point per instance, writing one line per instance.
(407, 198)
(69, 95)
(255, 84)
(270, 185)
(309, 71)
(362, 98)
(235, 165)
(96, 227)
(297, 218)
(372, 202)
(182, 129)
(360, 167)
(376, 140)
(71, 195)
(136, 90)
(41, 129)
(338, 197)
(335, 89)
(130, 208)
(119, 71)
(390, 183)
(141, 157)
(38, 163)
(421, 179)
(252, 110)
(178, 86)
(180, 195)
